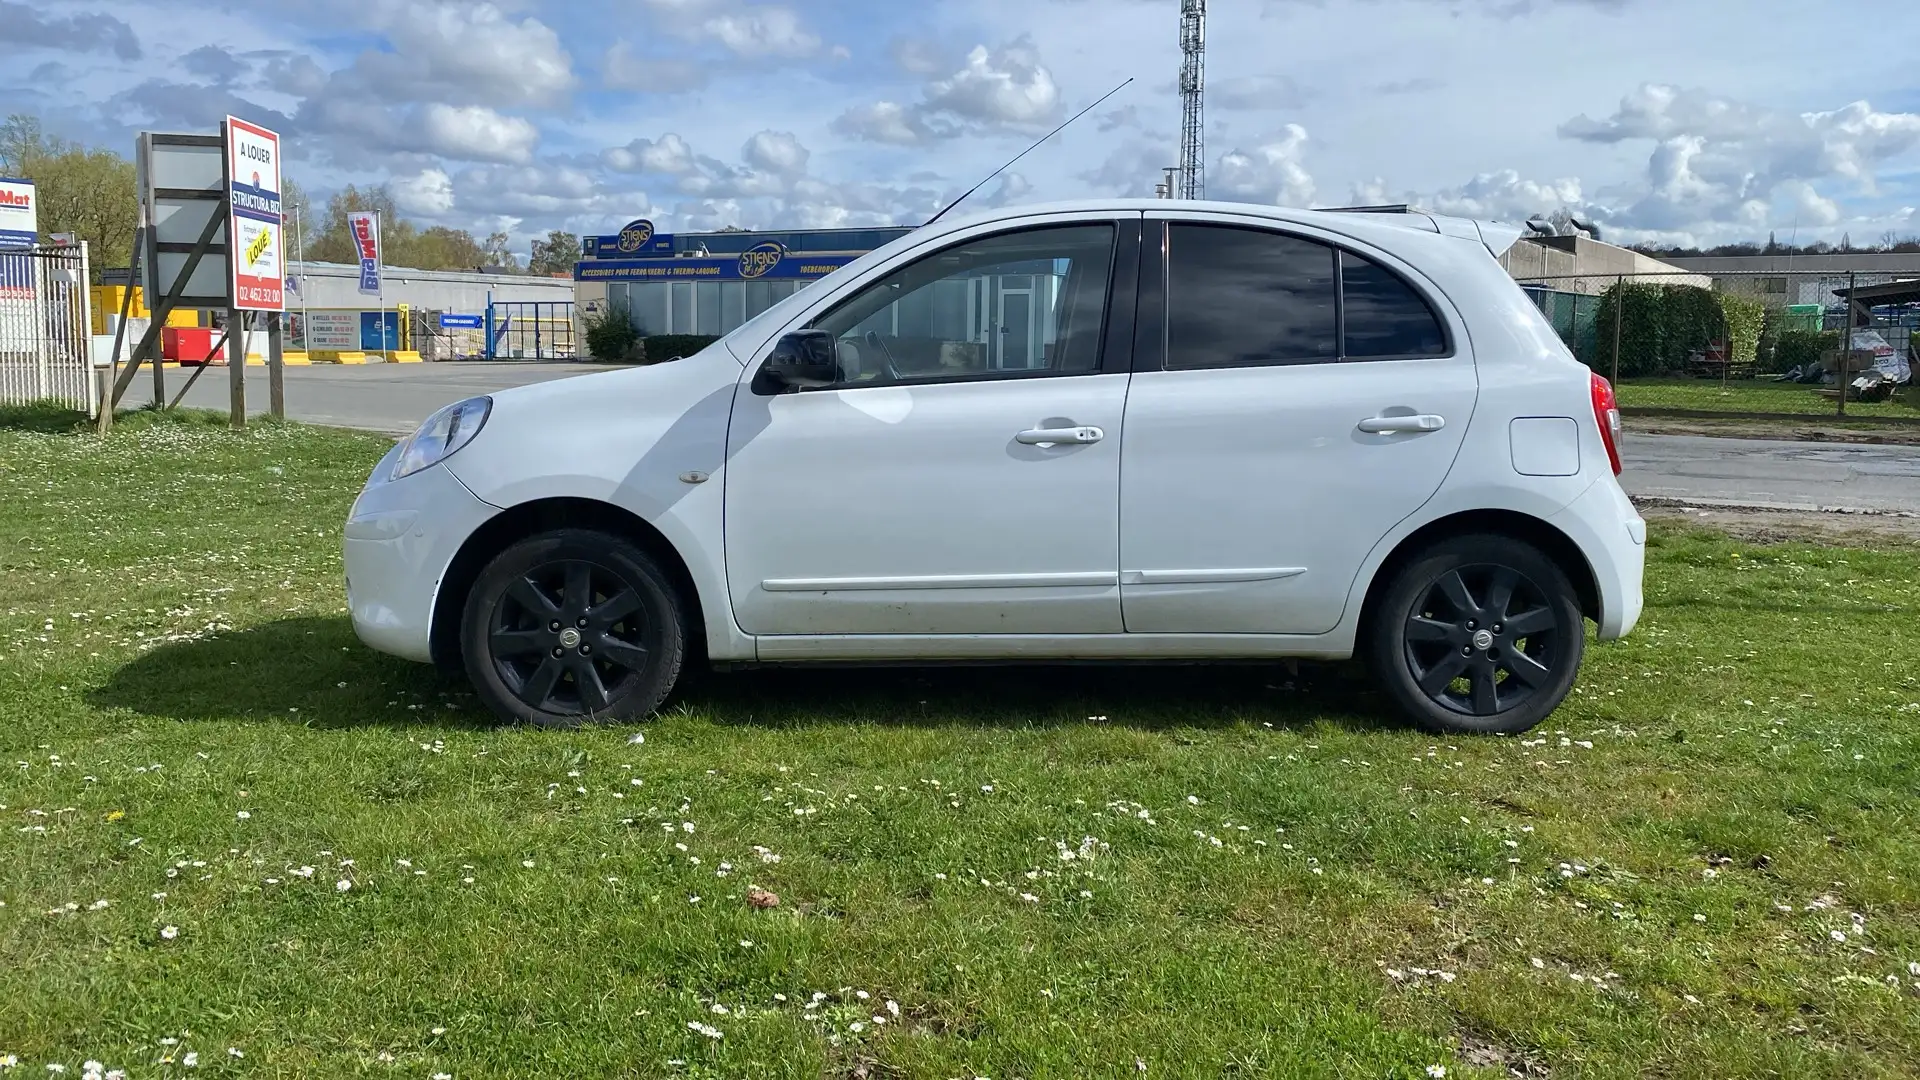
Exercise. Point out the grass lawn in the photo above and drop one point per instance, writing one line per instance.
(1755, 395)
(232, 832)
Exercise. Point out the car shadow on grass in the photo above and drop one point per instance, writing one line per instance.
(1041, 695)
(315, 673)
(308, 671)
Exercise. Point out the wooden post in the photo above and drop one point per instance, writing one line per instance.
(236, 368)
(276, 376)
(149, 342)
(112, 375)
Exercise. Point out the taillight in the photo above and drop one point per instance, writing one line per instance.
(1606, 413)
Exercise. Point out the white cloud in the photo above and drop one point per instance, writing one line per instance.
(995, 90)
(668, 154)
(621, 69)
(428, 193)
(1270, 172)
(446, 50)
(1007, 86)
(476, 133)
(22, 26)
(1502, 195)
(881, 121)
(1719, 166)
(745, 30)
(775, 152)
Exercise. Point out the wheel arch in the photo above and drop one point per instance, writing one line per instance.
(1552, 542)
(542, 515)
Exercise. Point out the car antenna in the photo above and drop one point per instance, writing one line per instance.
(1024, 153)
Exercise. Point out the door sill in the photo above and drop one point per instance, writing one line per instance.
(1018, 647)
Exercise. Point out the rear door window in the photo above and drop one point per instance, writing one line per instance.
(1384, 318)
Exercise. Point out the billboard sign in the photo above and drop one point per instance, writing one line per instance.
(182, 183)
(459, 322)
(333, 330)
(365, 227)
(254, 250)
(380, 331)
(19, 213)
(768, 262)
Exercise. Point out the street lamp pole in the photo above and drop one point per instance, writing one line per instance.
(300, 248)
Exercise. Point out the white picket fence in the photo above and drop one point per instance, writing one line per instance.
(46, 328)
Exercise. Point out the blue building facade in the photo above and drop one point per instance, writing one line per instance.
(710, 283)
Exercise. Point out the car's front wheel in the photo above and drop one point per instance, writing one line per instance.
(1478, 634)
(573, 626)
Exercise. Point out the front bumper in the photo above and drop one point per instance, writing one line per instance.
(400, 539)
(1612, 535)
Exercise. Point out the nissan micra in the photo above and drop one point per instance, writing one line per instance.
(1119, 430)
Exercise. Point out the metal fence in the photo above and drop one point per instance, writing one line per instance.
(1760, 345)
(530, 330)
(46, 331)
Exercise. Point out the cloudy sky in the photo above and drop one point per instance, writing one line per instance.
(1684, 121)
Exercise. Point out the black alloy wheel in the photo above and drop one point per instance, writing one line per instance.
(1482, 640)
(1480, 633)
(572, 626)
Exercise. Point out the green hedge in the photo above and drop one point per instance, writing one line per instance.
(1744, 319)
(1793, 348)
(661, 347)
(1661, 324)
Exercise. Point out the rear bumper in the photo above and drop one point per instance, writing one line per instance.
(1612, 535)
(400, 540)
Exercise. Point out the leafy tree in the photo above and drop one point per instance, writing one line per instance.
(87, 192)
(497, 250)
(556, 254)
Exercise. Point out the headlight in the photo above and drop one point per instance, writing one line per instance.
(443, 433)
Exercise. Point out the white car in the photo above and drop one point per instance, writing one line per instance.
(1109, 430)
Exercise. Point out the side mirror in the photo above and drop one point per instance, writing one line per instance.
(804, 358)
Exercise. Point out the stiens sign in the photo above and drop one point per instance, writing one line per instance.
(19, 213)
(254, 250)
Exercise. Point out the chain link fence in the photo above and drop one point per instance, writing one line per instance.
(1761, 345)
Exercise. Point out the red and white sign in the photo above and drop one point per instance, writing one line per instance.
(254, 225)
(19, 225)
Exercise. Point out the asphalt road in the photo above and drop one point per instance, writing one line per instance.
(1709, 471)
(393, 398)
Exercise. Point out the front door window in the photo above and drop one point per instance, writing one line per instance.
(1021, 303)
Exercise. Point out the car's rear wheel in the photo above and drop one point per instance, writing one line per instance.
(1478, 634)
(571, 627)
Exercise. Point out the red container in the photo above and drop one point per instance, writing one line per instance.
(189, 344)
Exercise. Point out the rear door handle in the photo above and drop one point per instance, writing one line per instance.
(1381, 425)
(1057, 436)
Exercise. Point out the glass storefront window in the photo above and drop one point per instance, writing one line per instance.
(648, 302)
(706, 307)
(681, 321)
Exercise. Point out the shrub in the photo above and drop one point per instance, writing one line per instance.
(611, 335)
(1743, 319)
(661, 347)
(1794, 348)
(1661, 324)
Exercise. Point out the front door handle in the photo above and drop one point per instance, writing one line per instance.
(1058, 436)
(1382, 425)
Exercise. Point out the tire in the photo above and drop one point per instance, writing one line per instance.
(570, 627)
(1434, 646)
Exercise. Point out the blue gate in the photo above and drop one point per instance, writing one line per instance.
(531, 330)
